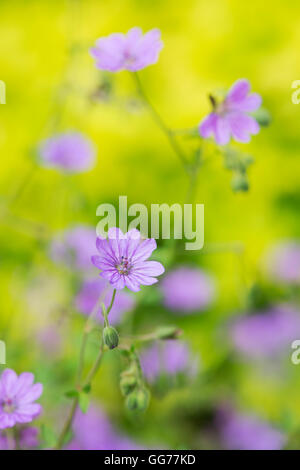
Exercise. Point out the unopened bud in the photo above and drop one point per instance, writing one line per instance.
(138, 400)
(240, 182)
(127, 384)
(110, 337)
(262, 116)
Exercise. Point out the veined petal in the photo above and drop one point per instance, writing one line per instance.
(102, 263)
(150, 268)
(104, 248)
(132, 283)
(117, 281)
(25, 380)
(144, 250)
(32, 394)
(9, 380)
(144, 279)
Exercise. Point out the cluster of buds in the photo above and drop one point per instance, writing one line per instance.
(133, 387)
(238, 164)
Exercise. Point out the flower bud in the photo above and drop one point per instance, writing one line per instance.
(110, 337)
(127, 384)
(138, 400)
(240, 182)
(263, 117)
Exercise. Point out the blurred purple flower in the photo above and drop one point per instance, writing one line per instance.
(70, 152)
(132, 51)
(93, 431)
(27, 439)
(74, 247)
(50, 340)
(230, 118)
(17, 395)
(187, 289)
(123, 258)
(3, 442)
(246, 432)
(283, 262)
(266, 333)
(90, 292)
(167, 357)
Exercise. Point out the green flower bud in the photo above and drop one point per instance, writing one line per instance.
(262, 116)
(127, 384)
(138, 400)
(110, 337)
(240, 182)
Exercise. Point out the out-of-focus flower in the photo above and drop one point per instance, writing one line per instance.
(266, 333)
(49, 340)
(29, 437)
(246, 432)
(230, 118)
(132, 51)
(187, 289)
(74, 247)
(167, 358)
(90, 292)
(122, 259)
(17, 396)
(93, 431)
(70, 152)
(283, 262)
(3, 442)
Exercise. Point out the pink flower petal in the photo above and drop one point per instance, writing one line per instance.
(8, 380)
(222, 131)
(28, 396)
(150, 268)
(24, 382)
(208, 125)
(238, 91)
(144, 250)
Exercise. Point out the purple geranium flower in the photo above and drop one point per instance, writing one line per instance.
(70, 152)
(167, 357)
(74, 247)
(246, 432)
(230, 118)
(187, 289)
(17, 396)
(267, 333)
(90, 292)
(122, 259)
(93, 431)
(132, 51)
(283, 262)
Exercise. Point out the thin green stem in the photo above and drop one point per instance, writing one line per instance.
(95, 366)
(67, 424)
(112, 301)
(161, 123)
(94, 369)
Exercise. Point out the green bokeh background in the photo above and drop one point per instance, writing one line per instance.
(50, 77)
